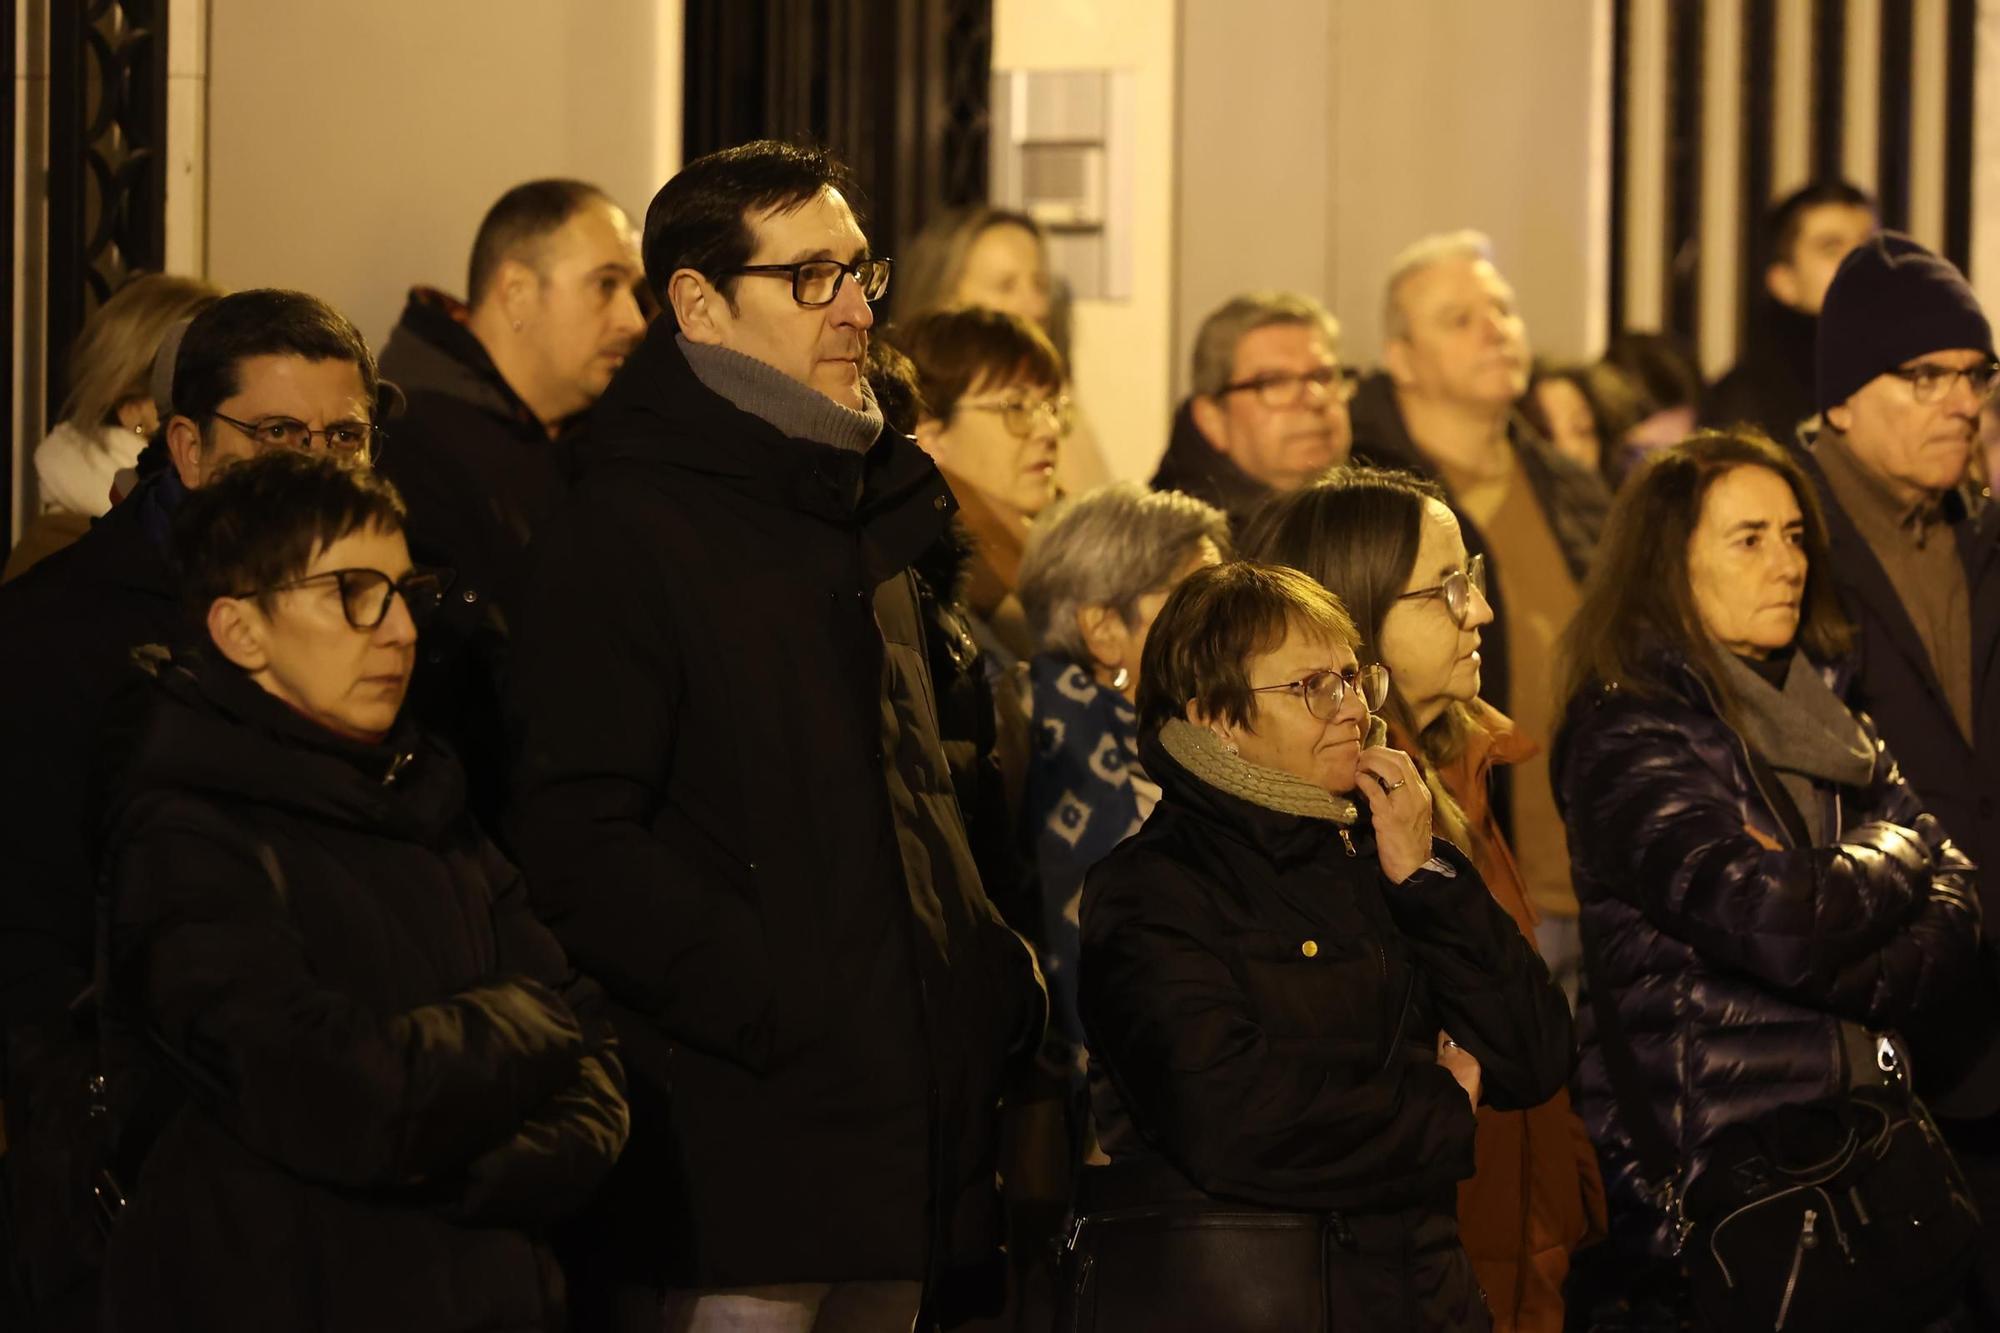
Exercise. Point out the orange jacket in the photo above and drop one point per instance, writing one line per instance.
(1536, 1195)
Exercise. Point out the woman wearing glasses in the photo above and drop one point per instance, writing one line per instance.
(1294, 995)
(1386, 544)
(372, 1076)
(996, 410)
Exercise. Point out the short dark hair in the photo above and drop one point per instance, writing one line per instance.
(261, 322)
(1787, 217)
(958, 350)
(700, 218)
(892, 378)
(1639, 598)
(1213, 624)
(261, 521)
(518, 222)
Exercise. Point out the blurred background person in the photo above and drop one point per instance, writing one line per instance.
(1268, 410)
(1586, 410)
(110, 412)
(1097, 570)
(1295, 994)
(1806, 235)
(996, 415)
(1764, 897)
(999, 258)
(1667, 376)
(1390, 549)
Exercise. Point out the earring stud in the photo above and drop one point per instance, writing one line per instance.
(1120, 679)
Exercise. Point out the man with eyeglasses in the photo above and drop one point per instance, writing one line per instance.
(1905, 363)
(732, 804)
(256, 371)
(1455, 363)
(1269, 408)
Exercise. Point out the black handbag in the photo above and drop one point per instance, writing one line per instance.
(1843, 1214)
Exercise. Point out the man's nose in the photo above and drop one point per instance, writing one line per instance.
(626, 317)
(850, 305)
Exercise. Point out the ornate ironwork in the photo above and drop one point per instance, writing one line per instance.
(107, 159)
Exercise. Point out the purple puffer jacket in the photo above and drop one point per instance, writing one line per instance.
(1731, 953)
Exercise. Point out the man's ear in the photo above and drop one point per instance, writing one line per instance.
(184, 446)
(1106, 636)
(1208, 419)
(1841, 417)
(238, 632)
(519, 288)
(1396, 360)
(930, 434)
(696, 306)
(1782, 281)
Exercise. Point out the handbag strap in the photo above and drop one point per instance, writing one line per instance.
(1657, 1158)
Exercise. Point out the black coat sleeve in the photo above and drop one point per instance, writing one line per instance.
(1489, 987)
(550, 1166)
(1872, 928)
(203, 949)
(595, 689)
(1182, 1042)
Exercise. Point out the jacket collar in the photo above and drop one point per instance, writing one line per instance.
(1193, 465)
(219, 733)
(659, 417)
(1279, 816)
(433, 350)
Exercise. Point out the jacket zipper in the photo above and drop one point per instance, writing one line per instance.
(1347, 842)
(1807, 1240)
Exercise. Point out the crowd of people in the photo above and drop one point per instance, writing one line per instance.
(664, 803)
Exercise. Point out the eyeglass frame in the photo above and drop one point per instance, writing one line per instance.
(1947, 376)
(372, 434)
(1474, 578)
(1061, 409)
(442, 577)
(1362, 675)
(794, 271)
(1341, 383)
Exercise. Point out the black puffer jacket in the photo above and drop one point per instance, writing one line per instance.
(1263, 1009)
(1732, 953)
(391, 1078)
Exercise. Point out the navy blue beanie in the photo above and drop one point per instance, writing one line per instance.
(1892, 301)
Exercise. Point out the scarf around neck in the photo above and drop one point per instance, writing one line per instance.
(797, 410)
(1803, 731)
(1199, 751)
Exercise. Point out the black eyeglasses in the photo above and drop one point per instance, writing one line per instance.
(1457, 589)
(365, 594)
(817, 281)
(1932, 383)
(344, 439)
(1279, 391)
(1323, 690)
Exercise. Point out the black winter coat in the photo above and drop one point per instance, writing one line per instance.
(1772, 387)
(1732, 953)
(1263, 1008)
(480, 475)
(736, 815)
(392, 1079)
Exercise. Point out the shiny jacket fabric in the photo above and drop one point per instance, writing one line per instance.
(390, 1080)
(1732, 955)
(1243, 987)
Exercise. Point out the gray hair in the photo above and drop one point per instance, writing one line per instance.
(1109, 547)
(1215, 342)
(1423, 254)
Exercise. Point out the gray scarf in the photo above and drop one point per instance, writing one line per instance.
(1199, 751)
(799, 411)
(1804, 732)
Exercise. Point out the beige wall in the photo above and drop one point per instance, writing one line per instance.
(1321, 136)
(353, 147)
(1123, 349)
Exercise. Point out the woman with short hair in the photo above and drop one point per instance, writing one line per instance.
(1095, 574)
(1389, 547)
(386, 1080)
(1766, 904)
(1294, 994)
